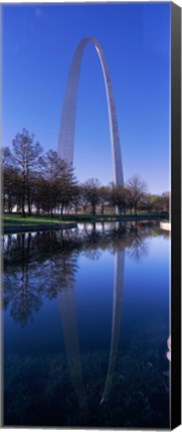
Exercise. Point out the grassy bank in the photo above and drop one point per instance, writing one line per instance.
(17, 220)
(15, 223)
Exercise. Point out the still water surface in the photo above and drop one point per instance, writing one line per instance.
(86, 320)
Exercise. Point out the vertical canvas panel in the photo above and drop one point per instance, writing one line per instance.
(176, 216)
(91, 202)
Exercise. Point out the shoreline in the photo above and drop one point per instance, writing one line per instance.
(12, 229)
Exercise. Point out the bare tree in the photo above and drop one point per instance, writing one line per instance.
(118, 197)
(26, 155)
(91, 193)
(50, 172)
(10, 180)
(59, 181)
(136, 190)
(104, 194)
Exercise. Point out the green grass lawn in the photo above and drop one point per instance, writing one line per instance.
(15, 219)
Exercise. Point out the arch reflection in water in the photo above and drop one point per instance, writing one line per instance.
(132, 378)
(71, 337)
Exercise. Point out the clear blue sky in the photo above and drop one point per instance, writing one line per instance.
(38, 44)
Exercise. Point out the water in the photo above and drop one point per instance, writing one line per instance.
(86, 321)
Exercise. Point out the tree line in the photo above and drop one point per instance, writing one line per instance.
(41, 182)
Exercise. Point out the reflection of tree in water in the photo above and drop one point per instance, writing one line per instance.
(139, 232)
(28, 277)
(91, 240)
(93, 254)
(43, 264)
(59, 273)
(139, 246)
(20, 285)
(23, 303)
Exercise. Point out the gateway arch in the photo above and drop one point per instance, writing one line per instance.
(68, 118)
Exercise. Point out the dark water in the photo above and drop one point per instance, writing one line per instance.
(86, 321)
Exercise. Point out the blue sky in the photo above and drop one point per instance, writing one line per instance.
(38, 44)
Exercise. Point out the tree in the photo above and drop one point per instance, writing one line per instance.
(91, 193)
(10, 180)
(39, 192)
(118, 197)
(58, 181)
(67, 186)
(160, 203)
(26, 156)
(11, 189)
(6, 157)
(75, 202)
(136, 190)
(83, 198)
(104, 194)
(166, 201)
(50, 172)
